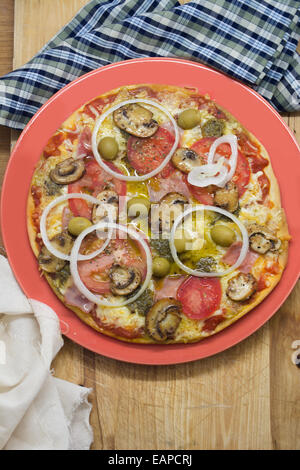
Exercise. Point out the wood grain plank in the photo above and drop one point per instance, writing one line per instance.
(6, 63)
(37, 21)
(6, 36)
(218, 403)
(284, 375)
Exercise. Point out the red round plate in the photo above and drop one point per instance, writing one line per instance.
(246, 105)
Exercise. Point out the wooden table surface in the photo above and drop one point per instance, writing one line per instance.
(245, 398)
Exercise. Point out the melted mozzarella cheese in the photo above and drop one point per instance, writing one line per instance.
(120, 317)
(54, 222)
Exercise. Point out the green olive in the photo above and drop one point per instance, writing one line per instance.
(161, 267)
(108, 148)
(138, 206)
(78, 224)
(222, 235)
(188, 119)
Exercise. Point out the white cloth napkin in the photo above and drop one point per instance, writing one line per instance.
(37, 410)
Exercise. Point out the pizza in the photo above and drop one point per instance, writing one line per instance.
(155, 216)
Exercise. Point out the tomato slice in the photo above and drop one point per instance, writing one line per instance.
(242, 173)
(93, 182)
(146, 154)
(94, 273)
(200, 297)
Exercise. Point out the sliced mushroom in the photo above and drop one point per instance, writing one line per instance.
(163, 319)
(186, 159)
(124, 280)
(136, 120)
(228, 197)
(63, 242)
(68, 171)
(50, 263)
(241, 287)
(261, 239)
(174, 199)
(168, 209)
(108, 209)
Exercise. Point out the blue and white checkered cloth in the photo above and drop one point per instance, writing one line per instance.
(250, 40)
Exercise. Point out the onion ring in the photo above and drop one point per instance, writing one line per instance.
(74, 258)
(196, 179)
(127, 177)
(193, 272)
(43, 229)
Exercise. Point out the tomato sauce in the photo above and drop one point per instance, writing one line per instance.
(36, 194)
(143, 89)
(52, 147)
(119, 330)
(262, 281)
(210, 324)
(98, 104)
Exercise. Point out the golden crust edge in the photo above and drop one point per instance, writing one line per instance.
(31, 231)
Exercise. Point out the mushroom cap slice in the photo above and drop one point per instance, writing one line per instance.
(262, 240)
(136, 120)
(241, 287)
(109, 207)
(168, 209)
(124, 279)
(174, 199)
(50, 263)
(163, 319)
(186, 159)
(228, 197)
(68, 171)
(63, 241)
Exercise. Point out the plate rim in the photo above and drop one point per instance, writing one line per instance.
(116, 356)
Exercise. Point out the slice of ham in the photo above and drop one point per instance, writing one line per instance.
(66, 217)
(233, 253)
(84, 147)
(75, 298)
(174, 183)
(169, 287)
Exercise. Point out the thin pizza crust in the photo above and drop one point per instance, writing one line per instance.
(282, 232)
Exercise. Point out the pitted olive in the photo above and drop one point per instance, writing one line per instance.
(222, 235)
(188, 119)
(108, 148)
